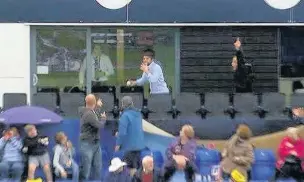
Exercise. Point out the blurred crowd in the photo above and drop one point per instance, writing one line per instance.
(22, 156)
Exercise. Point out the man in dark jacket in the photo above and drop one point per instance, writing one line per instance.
(35, 147)
(148, 173)
(90, 149)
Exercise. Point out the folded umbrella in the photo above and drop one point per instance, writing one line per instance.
(29, 115)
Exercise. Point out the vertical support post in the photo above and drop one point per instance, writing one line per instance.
(89, 63)
(120, 52)
(177, 49)
(33, 62)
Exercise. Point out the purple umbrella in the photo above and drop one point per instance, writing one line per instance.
(29, 115)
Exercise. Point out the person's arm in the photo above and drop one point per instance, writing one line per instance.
(2, 143)
(141, 80)
(90, 117)
(56, 163)
(157, 72)
(122, 129)
(169, 152)
(246, 159)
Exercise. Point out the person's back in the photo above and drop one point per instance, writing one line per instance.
(131, 131)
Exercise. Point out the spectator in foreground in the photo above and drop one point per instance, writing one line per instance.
(181, 155)
(130, 137)
(290, 155)
(238, 153)
(35, 146)
(63, 161)
(12, 161)
(90, 149)
(118, 172)
(148, 173)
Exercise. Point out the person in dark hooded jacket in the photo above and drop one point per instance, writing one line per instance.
(241, 81)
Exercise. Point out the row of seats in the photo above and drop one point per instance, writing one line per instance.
(163, 107)
(262, 169)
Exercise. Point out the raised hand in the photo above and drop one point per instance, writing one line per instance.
(237, 44)
(144, 68)
(103, 116)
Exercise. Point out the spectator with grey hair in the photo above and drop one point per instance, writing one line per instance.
(148, 172)
(130, 137)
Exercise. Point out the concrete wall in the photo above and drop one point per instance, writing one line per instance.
(14, 59)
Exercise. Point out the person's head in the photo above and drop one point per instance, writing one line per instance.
(187, 132)
(116, 165)
(293, 133)
(90, 101)
(61, 138)
(237, 43)
(11, 132)
(148, 164)
(148, 56)
(30, 130)
(126, 102)
(234, 63)
(14, 131)
(244, 132)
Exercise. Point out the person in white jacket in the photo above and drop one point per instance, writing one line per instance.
(100, 63)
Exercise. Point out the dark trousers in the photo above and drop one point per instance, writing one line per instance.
(133, 159)
(171, 169)
(246, 89)
(25, 169)
(297, 175)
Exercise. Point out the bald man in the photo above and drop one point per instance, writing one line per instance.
(90, 149)
(148, 173)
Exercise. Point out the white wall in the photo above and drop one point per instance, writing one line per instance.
(14, 59)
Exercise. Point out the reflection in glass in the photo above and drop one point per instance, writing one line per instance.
(117, 53)
(60, 55)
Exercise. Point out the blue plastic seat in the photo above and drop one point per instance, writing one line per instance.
(206, 159)
(264, 165)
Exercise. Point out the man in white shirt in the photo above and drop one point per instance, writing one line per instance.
(153, 73)
(102, 66)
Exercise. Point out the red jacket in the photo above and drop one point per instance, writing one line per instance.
(288, 145)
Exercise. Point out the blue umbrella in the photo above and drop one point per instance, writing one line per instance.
(29, 115)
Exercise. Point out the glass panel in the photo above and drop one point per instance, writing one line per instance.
(117, 53)
(60, 54)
